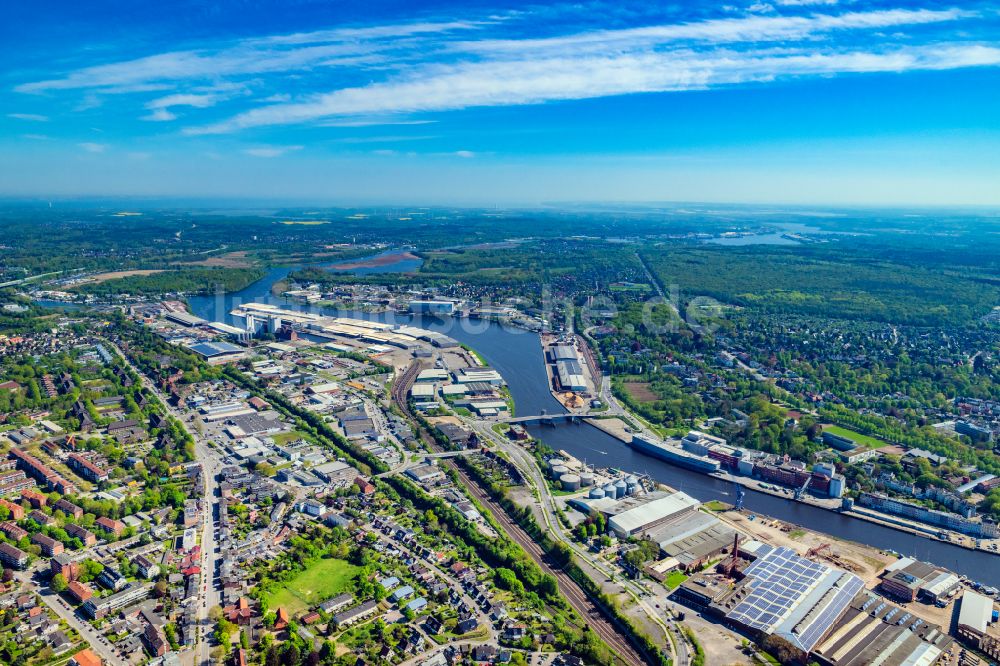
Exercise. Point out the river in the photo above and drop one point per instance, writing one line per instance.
(517, 355)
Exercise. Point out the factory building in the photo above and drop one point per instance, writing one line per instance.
(692, 540)
(873, 631)
(570, 375)
(638, 514)
(906, 579)
(216, 353)
(563, 353)
(432, 307)
(781, 593)
(699, 443)
(975, 614)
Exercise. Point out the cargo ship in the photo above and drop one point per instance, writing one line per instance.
(674, 455)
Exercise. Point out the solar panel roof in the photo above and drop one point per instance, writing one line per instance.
(781, 582)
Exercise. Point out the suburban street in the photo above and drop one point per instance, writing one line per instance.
(98, 643)
(209, 594)
(526, 463)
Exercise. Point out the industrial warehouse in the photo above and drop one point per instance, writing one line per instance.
(687, 537)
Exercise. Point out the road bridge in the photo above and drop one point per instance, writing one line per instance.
(552, 419)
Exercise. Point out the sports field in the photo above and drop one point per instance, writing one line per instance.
(864, 440)
(321, 580)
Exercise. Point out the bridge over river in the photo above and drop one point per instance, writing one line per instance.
(552, 419)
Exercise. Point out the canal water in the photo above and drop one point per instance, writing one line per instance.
(517, 355)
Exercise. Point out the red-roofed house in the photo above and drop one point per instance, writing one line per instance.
(115, 527)
(35, 498)
(16, 510)
(85, 657)
(80, 591)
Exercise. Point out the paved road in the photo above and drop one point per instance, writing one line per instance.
(603, 626)
(209, 594)
(98, 643)
(526, 463)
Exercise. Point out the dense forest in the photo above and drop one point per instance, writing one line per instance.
(187, 280)
(829, 280)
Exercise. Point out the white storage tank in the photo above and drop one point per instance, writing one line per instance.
(559, 470)
(609, 490)
(556, 462)
(632, 485)
(570, 481)
(620, 488)
(596, 493)
(587, 479)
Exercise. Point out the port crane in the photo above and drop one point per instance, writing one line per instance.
(813, 552)
(801, 491)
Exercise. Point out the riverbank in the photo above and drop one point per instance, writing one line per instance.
(616, 428)
(516, 354)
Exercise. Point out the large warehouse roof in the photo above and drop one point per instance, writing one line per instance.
(212, 349)
(794, 598)
(564, 353)
(651, 513)
(976, 611)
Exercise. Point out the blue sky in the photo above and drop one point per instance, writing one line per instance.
(779, 101)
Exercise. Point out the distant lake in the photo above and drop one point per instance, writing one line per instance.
(775, 238)
(753, 239)
(389, 261)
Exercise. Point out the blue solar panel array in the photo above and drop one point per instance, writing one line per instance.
(849, 587)
(780, 580)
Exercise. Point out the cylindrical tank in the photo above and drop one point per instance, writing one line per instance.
(596, 493)
(609, 490)
(570, 481)
(632, 484)
(556, 462)
(559, 470)
(620, 488)
(587, 479)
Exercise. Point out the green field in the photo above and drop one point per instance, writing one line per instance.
(323, 579)
(866, 440)
(283, 438)
(674, 578)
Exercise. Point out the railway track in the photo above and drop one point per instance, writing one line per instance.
(605, 627)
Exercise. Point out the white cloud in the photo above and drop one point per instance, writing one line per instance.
(370, 32)
(806, 3)
(374, 122)
(746, 29)
(426, 67)
(270, 151)
(160, 115)
(180, 99)
(92, 147)
(464, 153)
(281, 53)
(535, 81)
(29, 116)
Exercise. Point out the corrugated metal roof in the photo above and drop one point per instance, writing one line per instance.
(975, 611)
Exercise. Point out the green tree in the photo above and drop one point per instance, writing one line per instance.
(59, 584)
